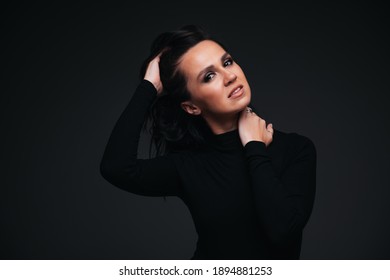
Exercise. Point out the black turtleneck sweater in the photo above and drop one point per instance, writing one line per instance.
(247, 202)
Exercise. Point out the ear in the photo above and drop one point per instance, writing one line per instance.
(190, 108)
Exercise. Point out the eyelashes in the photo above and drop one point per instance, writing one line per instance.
(228, 61)
(210, 75)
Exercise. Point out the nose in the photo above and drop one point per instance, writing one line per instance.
(229, 77)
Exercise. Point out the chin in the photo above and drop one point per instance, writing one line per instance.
(246, 103)
(240, 109)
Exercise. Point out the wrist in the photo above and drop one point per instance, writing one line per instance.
(251, 139)
(157, 85)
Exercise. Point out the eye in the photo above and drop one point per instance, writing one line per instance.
(228, 61)
(208, 76)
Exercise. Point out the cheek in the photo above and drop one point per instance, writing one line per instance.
(214, 95)
(206, 92)
(240, 73)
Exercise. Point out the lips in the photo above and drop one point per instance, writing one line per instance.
(235, 90)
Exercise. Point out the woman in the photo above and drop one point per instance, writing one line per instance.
(249, 188)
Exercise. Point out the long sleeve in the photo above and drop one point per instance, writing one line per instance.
(284, 204)
(121, 167)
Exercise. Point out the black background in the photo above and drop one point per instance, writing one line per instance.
(320, 70)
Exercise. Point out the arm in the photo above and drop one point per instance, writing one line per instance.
(283, 204)
(120, 166)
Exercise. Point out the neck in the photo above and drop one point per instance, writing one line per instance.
(219, 126)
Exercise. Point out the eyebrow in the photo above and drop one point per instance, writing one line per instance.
(210, 67)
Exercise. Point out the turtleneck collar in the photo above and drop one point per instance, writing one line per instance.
(227, 141)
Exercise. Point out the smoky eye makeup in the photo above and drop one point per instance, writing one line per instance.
(226, 61)
(208, 76)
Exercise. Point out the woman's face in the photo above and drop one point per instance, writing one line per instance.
(217, 84)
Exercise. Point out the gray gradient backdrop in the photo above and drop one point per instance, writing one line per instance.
(319, 70)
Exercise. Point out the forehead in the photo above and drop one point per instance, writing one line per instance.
(200, 56)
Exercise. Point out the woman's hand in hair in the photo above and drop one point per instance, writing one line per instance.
(253, 128)
(152, 74)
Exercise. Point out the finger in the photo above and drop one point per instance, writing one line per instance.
(248, 109)
(270, 128)
(156, 59)
(161, 52)
(246, 112)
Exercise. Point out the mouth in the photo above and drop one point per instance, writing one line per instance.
(236, 91)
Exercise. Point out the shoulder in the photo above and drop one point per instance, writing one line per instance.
(294, 143)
